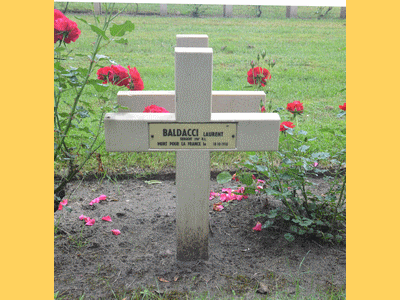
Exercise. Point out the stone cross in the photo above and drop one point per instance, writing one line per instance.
(199, 121)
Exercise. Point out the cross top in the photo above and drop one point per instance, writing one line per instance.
(200, 121)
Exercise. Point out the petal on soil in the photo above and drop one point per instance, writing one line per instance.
(106, 218)
(116, 231)
(102, 197)
(64, 202)
(257, 227)
(162, 279)
(90, 222)
(218, 206)
(96, 200)
(82, 217)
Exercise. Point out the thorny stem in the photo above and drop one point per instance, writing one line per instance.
(73, 171)
(108, 19)
(340, 197)
(280, 186)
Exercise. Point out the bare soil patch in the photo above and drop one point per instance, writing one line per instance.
(90, 260)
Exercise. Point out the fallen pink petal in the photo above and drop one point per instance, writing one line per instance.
(82, 217)
(60, 207)
(315, 164)
(213, 195)
(239, 197)
(259, 180)
(90, 222)
(96, 200)
(257, 227)
(239, 190)
(64, 202)
(224, 197)
(116, 231)
(227, 190)
(107, 218)
(102, 197)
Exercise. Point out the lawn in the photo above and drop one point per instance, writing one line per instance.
(310, 57)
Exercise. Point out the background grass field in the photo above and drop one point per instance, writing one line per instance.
(310, 57)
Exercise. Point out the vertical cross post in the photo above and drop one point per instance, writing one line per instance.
(193, 78)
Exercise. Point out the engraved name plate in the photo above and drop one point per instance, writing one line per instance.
(192, 135)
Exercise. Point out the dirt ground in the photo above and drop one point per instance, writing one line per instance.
(90, 260)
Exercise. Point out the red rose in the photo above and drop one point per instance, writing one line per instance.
(58, 14)
(295, 107)
(64, 29)
(104, 74)
(343, 107)
(135, 82)
(257, 75)
(287, 124)
(120, 75)
(155, 109)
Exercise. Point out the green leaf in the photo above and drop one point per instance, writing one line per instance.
(99, 31)
(341, 114)
(121, 41)
(100, 57)
(224, 177)
(302, 132)
(293, 228)
(80, 19)
(119, 30)
(273, 213)
(320, 155)
(302, 231)
(305, 222)
(289, 237)
(99, 87)
(254, 158)
(267, 224)
(260, 215)
(338, 238)
(260, 168)
(289, 130)
(303, 148)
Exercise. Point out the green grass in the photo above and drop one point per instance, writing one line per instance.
(246, 11)
(310, 56)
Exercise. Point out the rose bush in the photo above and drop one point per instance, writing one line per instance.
(303, 213)
(258, 77)
(74, 141)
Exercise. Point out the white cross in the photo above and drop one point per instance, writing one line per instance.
(201, 119)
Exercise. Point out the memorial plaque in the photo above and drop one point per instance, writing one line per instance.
(192, 135)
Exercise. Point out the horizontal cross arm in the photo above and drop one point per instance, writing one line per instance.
(129, 132)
